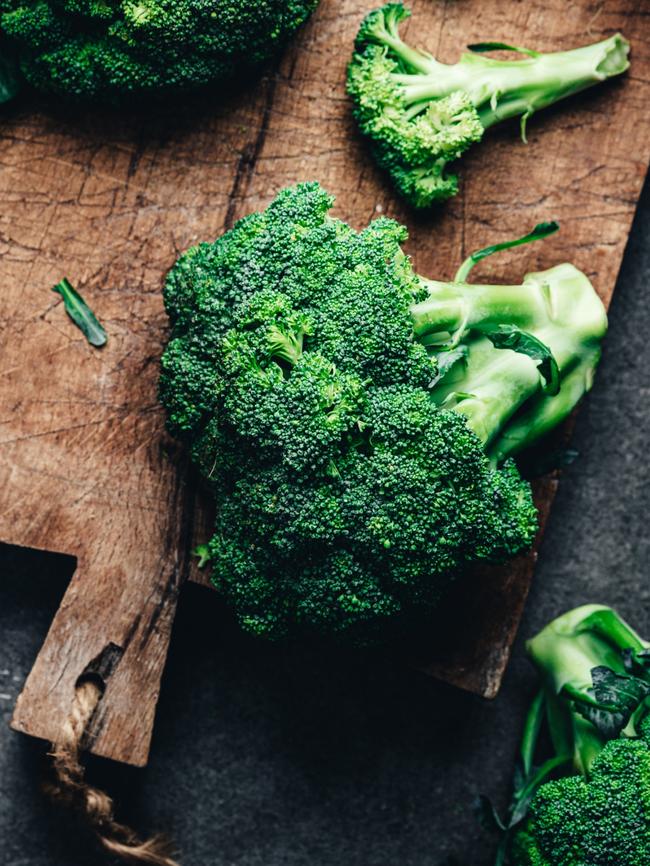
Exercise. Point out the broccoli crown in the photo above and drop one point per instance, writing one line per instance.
(346, 497)
(112, 49)
(601, 820)
(420, 114)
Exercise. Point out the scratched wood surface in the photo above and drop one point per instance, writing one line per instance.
(110, 200)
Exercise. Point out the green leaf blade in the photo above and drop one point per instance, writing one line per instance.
(541, 231)
(512, 337)
(81, 314)
(532, 727)
(482, 47)
(447, 360)
(616, 697)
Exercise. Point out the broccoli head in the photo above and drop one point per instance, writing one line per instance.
(595, 673)
(420, 114)
(354, 420)
(112, 49)
(600, 820)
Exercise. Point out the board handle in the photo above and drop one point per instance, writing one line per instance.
(113, 627)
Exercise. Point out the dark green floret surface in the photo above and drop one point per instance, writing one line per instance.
(348, 496)
(113, 49)
(602, 820)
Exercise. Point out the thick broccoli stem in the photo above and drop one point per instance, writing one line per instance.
(454, 307)
(565, 652)
(500, 89)
(492, 391)
(544, 412)
(559, 307)
(577, 353)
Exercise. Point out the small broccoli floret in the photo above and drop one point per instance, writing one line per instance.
(421, 115)
(595, 672)
(112, 50)
(308, 369)
(601, 820)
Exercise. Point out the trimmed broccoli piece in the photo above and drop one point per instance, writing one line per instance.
(111, 49)
(420, 114)
(354, 420)
(595, 672)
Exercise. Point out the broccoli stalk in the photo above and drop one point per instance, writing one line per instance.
(422, 114)
(501, 89)
(595, 675)
(554, 321)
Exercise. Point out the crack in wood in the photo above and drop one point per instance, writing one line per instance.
(250, 155)
(103, 665)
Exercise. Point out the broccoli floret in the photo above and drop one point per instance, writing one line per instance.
(601, 820)
(113, 49)
(421, 115)
(324, 389)
(595, 672)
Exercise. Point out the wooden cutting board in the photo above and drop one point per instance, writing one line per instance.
(110, 200)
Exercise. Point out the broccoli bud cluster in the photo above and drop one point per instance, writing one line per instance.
(114, 49)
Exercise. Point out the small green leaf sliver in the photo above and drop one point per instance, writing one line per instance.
(80, 313)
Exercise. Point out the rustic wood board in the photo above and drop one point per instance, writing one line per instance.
(110, 200)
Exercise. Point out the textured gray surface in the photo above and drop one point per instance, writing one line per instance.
(273, 757)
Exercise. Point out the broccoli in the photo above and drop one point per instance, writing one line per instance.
(595, 672)
(355, 421)
(420, 114)
(112, 49)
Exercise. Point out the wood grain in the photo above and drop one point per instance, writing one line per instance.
(111, 199)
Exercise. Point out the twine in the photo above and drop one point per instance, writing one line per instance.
(95, 806)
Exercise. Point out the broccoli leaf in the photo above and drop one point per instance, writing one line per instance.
(512, 337)
(615, 698)
(481, 47)
(612, 688)
(80, 313)
(528, 778)
(447, 360)
(530, 736)
(525, 786)
(528, 786)
(487, 814)
(637, 663)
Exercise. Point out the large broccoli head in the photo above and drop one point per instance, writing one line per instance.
(348, 494)
(111, 49)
